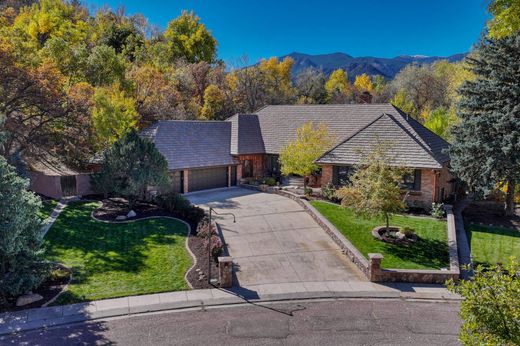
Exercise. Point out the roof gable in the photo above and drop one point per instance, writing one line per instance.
(246, 135)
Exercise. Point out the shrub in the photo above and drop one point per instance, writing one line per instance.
(173, 202)
(408, 231)
(269, 181)
(307, 191)
(203, 228)
(217, 247)
(59, 274)
(437, 210)
(195, 214)
(328, 192)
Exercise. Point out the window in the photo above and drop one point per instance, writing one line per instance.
(272, 164)
(341, 175)
(412, 181)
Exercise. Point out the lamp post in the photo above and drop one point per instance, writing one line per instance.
(211, 210)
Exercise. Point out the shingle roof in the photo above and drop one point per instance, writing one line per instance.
(410, 144)
(192, 144)
(246, 135)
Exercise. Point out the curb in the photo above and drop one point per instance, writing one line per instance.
(26, 320)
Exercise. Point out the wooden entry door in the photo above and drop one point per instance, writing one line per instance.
(68, 186)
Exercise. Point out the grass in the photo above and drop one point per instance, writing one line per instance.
(430, 251)
(115, 260)
(492, 245)
(47, 208)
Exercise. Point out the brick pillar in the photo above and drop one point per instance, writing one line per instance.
(326, 174)
(229, 176)
(225, 271)
(374, 266)
(239, 173)
(186, 181)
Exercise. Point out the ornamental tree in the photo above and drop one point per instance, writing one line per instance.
(299, 156)
(490, 310)
(130, 166)
(486, 148)
(376, 186)
(22, 267)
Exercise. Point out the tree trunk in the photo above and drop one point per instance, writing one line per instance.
(510, 198)
(387, 223)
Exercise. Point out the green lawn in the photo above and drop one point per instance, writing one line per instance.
(48, 206)
(114, 260)
(490, 245)
(430, 251)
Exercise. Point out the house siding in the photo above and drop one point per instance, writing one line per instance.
(257, 161)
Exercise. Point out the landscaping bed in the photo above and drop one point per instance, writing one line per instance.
(112, 260)
(430, 251)
(491, 213)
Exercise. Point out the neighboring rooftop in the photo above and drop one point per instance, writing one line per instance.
(192, 144)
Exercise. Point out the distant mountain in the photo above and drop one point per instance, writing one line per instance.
(387, 67)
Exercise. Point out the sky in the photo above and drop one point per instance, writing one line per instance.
(382, 28)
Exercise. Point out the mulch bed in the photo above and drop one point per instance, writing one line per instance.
(48, 290)
(114, 207)
(491, 213)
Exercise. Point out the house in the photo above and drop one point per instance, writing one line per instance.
(210, 154)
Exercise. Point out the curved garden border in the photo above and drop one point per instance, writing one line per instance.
(64, 289)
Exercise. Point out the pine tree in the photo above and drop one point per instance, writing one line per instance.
(486, 151)
(22, 267)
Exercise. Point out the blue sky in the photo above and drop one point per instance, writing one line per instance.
(384, 28)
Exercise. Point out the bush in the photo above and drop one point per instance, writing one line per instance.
(59, 275)
(203, 228)
(173, 202)
(328, 192)
(195, 214)
(407, 231)
(269, 181)
(217, 247)
(437, 210)
(307, 191)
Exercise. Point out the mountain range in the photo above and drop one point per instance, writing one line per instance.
(387, 67)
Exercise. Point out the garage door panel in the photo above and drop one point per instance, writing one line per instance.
(210, 178)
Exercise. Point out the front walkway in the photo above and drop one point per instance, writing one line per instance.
(275, 241)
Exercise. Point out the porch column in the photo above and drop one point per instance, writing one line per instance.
(186, 181)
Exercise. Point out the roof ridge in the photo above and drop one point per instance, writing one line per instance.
(190, 121)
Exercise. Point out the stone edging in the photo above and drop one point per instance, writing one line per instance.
(157, 217)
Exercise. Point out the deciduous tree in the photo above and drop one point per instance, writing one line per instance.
(337, 86)
(506, 18)
(310, 86)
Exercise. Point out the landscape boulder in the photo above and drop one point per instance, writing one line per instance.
(131, 213)
(27, 299)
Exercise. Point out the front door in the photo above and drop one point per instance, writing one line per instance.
(68, 185)
(247, 169)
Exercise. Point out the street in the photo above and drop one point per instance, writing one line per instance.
(328, 322)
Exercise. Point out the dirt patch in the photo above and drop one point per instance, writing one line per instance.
(197, 276)
(491, 213)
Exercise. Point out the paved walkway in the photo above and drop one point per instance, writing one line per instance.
(18, 321)
(463, 245)
(275, 241)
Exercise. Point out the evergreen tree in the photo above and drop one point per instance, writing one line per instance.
(486, 151)
(130, 166)
(21, 263)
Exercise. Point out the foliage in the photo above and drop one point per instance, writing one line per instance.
(485, 150)
(132, 164)
(491, 307)
(113, 115)
(429, 252)
(363, 83)
(189, 39)
(195, 214)
(104, 66)
(269, 181)
(310, 86)
(437, 210)
(337, 86)
(216, 248)
(328, 192)
(278, 81)
(375, 189)
(173, 202)
(307, 191)
(299, 156)
(22, 267)
(213, 103)
(440, 121)
(116, 260)
(408, 231)
(506, 18)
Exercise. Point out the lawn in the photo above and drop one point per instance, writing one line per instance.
(48, 206)
(491, 245)
(430, 251)
(114, 260)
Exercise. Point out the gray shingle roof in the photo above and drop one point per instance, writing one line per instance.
(410, 144)
(192, 144)
(246, 135)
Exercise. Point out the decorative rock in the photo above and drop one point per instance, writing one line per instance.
(131, 213)
(120, 218)
(28, 299)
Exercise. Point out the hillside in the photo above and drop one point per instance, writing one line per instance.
(387, 67)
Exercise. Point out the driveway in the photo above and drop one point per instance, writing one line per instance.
(275, 241)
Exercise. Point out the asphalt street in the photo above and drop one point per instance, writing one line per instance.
(330, 322)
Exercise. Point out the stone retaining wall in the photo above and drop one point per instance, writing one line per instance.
(372, 267)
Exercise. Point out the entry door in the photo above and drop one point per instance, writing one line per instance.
(248, 169)
(68, 185)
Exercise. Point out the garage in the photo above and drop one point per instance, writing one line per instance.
(208, 178)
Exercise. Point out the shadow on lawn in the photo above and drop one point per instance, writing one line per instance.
(102, 247)
(427, 252)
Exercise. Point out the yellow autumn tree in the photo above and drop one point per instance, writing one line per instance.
(363, 83)
(213, 102)
(278, 79)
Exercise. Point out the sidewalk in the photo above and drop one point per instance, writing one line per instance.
(18, 321)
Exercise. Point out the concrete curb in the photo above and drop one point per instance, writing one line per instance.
(20, 321)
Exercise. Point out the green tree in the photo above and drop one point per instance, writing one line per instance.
(490, 310)
(213, 103)
(278, 80)
(486, 151)
(188, 38)
(440, 121)
(22, 267)
(130, 166)
(299, 156)
(506, 18)
(376, 186)
(105, 66)
(113, 114)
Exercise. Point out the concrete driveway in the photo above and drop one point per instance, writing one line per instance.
(275, 241)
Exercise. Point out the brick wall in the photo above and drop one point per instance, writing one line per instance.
(326, 174)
